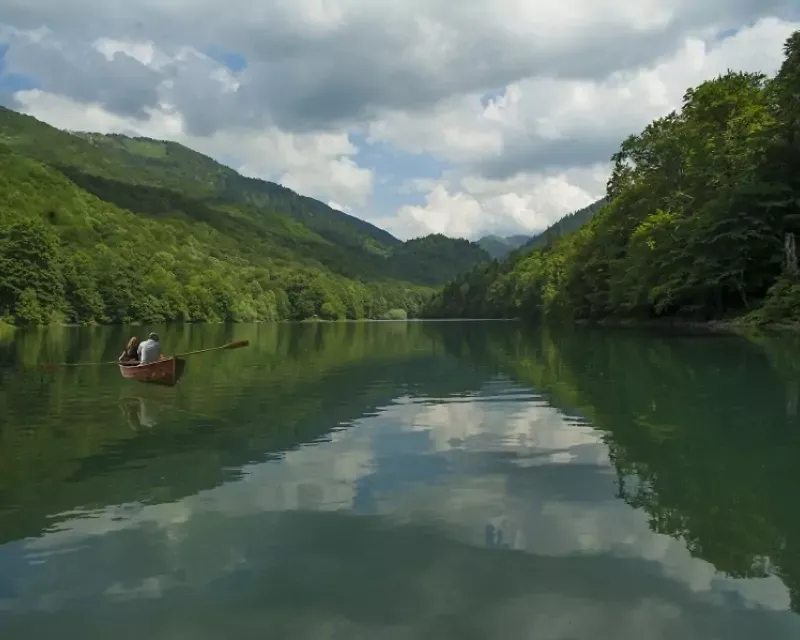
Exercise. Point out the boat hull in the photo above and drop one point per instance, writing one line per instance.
(164, 372)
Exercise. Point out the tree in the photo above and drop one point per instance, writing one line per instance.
(29, 262)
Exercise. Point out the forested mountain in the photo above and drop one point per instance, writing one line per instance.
(481, 292)
(701, 213)
(110, 228)
(499, 247)
(569, 223)
(425, 259)
(177, 169)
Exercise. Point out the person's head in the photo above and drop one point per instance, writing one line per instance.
(132, 343)
(153, 336)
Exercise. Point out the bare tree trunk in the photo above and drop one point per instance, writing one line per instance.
(790, 252)
(740, 287)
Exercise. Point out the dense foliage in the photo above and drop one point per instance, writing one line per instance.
(425, 259)
(700, 220)
(114, 229)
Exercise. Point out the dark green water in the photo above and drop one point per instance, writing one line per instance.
(422, 480)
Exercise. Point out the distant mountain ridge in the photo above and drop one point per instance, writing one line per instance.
(569, 223)
(499, 247)
(474, 293)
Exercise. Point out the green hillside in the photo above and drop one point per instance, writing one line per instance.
(66, 255)
(174, 167)
(700, 221)
(426, 259)
(171, 166)
(156, 231)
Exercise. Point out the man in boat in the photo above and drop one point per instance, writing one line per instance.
(149, 350)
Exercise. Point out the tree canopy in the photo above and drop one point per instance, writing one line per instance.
(699, 220)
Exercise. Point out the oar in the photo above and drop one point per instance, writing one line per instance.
(231, 345)
(51, 366)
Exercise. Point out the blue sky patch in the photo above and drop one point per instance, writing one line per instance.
(228, 160)
(393, 168)
(727, 33)
(491, 96)
(13, 82)
(234, 61)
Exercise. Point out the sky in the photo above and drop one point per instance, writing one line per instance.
(463, 118)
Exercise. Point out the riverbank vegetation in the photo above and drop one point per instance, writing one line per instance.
(112, 229)
(701, 214)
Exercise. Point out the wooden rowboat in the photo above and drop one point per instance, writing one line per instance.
(165, 372)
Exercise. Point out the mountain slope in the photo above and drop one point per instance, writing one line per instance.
(169, 165)
(569, 223)
(166, 180)
(486, 290)
(499, 247)
(186, 169)
(426, 259)
(66, 255)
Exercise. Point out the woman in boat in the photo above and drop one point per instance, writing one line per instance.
(130, 355)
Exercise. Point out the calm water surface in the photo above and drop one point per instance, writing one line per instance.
(393, 480)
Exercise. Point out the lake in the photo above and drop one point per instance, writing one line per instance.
(402, 480)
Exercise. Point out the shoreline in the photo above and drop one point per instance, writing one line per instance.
(735, 325)
(732, 326)
(5, 326)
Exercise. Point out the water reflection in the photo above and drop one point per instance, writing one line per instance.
(139, 412)
(700, 432)
(430, 481)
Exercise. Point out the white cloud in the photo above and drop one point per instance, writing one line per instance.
(473, 206)
(340, 178)
(543, 112)
(573, 78)
(75, 116)
(539, 151)
(143, 52)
